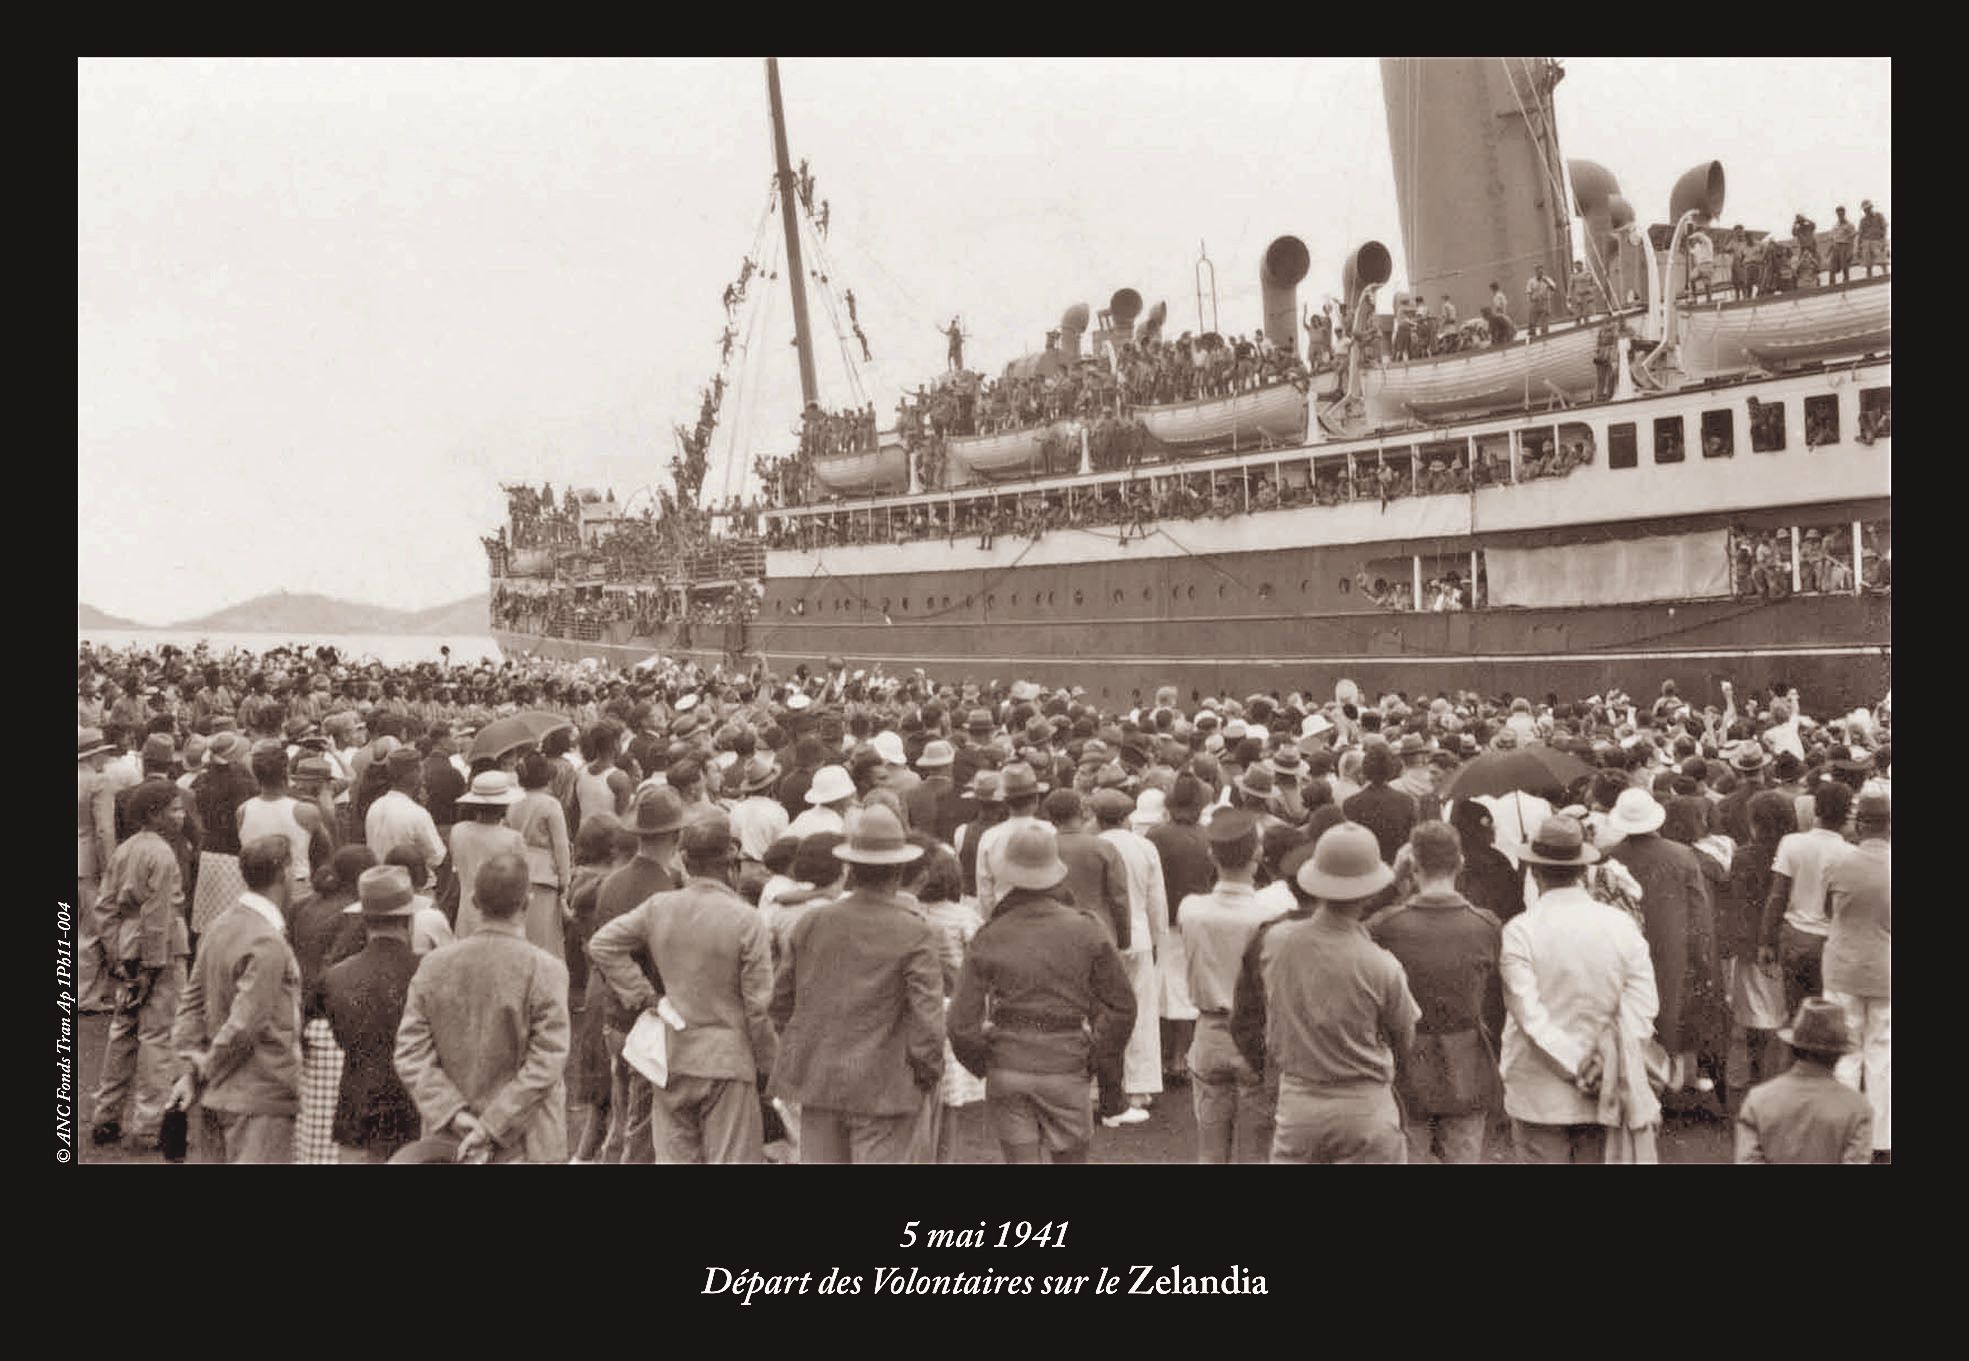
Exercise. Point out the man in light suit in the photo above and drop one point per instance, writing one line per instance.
(859, 1007)
(715, 958)
(1572, 967)
(484, 1041)
(238, 1028)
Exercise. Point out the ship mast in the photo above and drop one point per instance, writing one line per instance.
(795, 270)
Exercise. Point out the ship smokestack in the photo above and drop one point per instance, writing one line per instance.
(1151, 326)
(1369, 265)
(1285, 264)
(1700, 191)
(1073, 324)
(1123, 308)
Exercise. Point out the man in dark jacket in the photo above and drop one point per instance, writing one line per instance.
(1186, 869)
(933, 805)
(363, 1000)
(1386, 811)
(1679, 923)
(859, 1007)
(1097, 883)
(1058, 1000)
(1449, 949)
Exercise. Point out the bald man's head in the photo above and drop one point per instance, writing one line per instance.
(500, 890)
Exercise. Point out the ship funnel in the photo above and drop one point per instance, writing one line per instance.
(1285, 264)
(1151, 326)
(1700, 191)
(1073, 323)
(1123, 308)
(1371, 264)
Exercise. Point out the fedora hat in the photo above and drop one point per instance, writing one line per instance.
(90, 742)
(1113, 775)
(1560, 840)
(659, 809)
(935, 754)
(1819, 1028)
(490, 788)
(1748, 756)
(980, 720)
(1017, 781)
(298, 728)
(1287, 760)
(159, 749)
(760, 771)
(985, 787)
(385, 892)
(1258, 782)
(831, 785)
(225, 748)
(1032, 858)
(1635, 813)
(876, 837)
(1345, 865)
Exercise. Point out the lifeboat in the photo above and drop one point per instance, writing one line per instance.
(1013, 453)
(1787, 328)
(1276, 413)
(1528, 368)
(882, 469)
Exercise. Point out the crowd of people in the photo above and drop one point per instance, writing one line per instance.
(339, 912)
(1758, 264)
(1762, 562)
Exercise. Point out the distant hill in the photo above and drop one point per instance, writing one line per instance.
(89, 617)
(320, 616)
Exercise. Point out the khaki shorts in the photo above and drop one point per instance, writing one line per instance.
(1056, 1109)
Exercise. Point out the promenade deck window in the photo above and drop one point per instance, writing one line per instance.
(1623, 450)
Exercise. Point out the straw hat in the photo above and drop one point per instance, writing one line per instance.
(1561, 840)
(761, 771)
(90, 742)
(385, 892)
(490, 788)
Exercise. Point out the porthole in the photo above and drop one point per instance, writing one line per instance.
(991, 601)
(1302, 587)
(1079, 599)
(970, 601)
(1145, 593)
(1220, 592)
(905, 603)
(1117, 597)
(1051, 596)
(1015, 600)
(1192, 594)
(885, 604)
(1264, 590)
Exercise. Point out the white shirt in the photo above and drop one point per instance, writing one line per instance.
(819, 818)
(1784, 737)
(266, 909)
(1570, 965)
(757, 823)
(396, 820)
(1804, 857)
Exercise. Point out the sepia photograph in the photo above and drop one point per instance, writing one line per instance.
(982, 611)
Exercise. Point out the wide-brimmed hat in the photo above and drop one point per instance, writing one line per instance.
(1031, 858)
(759, 772)
(490, 788)
(936, 753)
(1018, 781)
(1150, 806)
(831, 784)
(798, 700)
(1287, 760)
(888, 746)
(876, 837)
(1748, 756)
(91, 742)
(225, 748)
(385, 891)
(1561, 840)
(1113, 775)
(298, 728)
(1636, 813)
(1852, 759)
(1345, 865)
(659, 809)
(1258, 782)
(1314, 725)
(1819, 1028)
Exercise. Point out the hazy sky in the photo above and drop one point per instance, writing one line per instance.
(324, 308)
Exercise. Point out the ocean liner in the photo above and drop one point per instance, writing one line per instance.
(1685, 473)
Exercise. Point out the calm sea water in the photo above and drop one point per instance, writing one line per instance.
(389, 649)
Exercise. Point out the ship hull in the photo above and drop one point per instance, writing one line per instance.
(1836, 649)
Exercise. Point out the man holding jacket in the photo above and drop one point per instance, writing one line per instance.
(715, 958)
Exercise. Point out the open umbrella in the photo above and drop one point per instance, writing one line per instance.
(1534, 769)
(501, 735)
